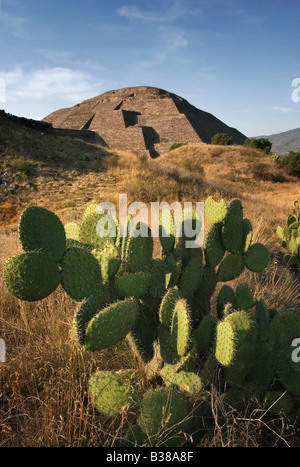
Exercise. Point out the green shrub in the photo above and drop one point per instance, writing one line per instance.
(177, 145)
(292, 163)
(222, 139)
(260, 143)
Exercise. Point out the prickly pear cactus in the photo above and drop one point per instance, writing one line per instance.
(290, 239)
(181, 314)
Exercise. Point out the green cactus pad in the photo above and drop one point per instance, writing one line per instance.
(41, 230)
(91, 209)
(186, 381)
(111, 394)
(31, 276)
(81, 274)
(283, 354)
(72, 230)
(262, 319)
(233, 231)
(162, 410)
(225, 296)
(230, 268)
(167, 347)
(109, 260)
(208, 283)
(180, 327)
(257, 258)
(172, 271)
(262, 373)
(143, 333)
(167, 306)
(225, 343)
(241, 324)
(236, 373)
(286, 323)
(247, 236)
(90, 233)
(139, 251)
(215, 212)
(111, 325)
(213, 246)
(244, 297)
(191, 277)
(167, 231)
(290, 380)
(83, 315)
(203, 336)
(157, 287)
(280, 232)
(132, 285)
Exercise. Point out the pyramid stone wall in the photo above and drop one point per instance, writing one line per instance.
(142, 119)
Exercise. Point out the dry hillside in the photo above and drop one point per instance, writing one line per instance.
(44, 399)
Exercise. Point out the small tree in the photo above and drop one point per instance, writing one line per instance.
(292, 163)
(260, 143)
(222, 139)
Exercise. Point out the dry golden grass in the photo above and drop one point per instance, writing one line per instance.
(44, 399)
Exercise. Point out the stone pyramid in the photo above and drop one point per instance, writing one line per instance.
(143, 119)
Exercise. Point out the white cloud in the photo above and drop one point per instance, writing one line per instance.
(34, 94)
(63, 83)
(133, 13)
(174, 38)
(175, 11)
(283, 110)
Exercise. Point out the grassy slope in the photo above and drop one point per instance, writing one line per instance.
(44, 383)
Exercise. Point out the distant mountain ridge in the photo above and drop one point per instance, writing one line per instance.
(283, 143)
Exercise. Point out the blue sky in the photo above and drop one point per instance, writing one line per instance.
(236, 59)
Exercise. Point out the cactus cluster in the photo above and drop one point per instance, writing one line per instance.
(178, 312)
(290, 238)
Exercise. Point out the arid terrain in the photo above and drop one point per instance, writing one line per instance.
(44, 399)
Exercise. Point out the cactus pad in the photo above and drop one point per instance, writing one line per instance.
(225, 343)
(244, 297)
(191, 276)
(257, 258)
(31, 276)
(232, 231)
(109, 260)
(81, 274)
(167, 306)
(132, 285)
(230, 268)
(163, 409)
(225, 296)
(143, 333)
(90, 234)
(72, 230)
(203, 335)
(180, 327)
(41, 230)
(247, 236)
(286, 323)
(83, 315)
(215, 212)
(167, 231)
(111, 325)
(110, 394)
(139, 251)
(214, 249)
(241, 324)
